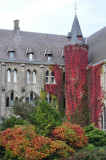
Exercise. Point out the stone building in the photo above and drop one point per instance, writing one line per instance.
(26, 57)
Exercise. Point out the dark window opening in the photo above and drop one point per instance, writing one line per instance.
(7, 102)
(54, 102)
(12, 98)
(27, 99)
(31, 98)
(52, 77)
(63, 77)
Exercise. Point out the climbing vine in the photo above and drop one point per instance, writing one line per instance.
(57, 88)
(95, 94)
(76, 60)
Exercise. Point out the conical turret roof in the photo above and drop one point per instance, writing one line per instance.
(76, 33)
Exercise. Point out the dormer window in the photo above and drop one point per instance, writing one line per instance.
(11, 55)
(49, 54)
(30, 56)
(49, 57)
(11, 52)
(69, 36)
(30, 53)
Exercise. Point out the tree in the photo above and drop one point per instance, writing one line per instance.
(45, 118)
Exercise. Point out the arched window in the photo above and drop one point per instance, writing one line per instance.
(27, 99)
(9, 75)
(15, 75)
(16, 99)
(28, 76)
(52, 77)
(34, 76)
(7, 101)
(31, 98)
(48, 98)
(12, 98)
(47, 76)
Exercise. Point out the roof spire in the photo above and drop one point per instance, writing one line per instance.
(75, 8)
(75, 35)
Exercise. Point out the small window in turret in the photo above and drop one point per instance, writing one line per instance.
(79, 38)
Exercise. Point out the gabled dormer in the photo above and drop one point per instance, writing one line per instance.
(30, 53)
(48, 53)
(11, 51)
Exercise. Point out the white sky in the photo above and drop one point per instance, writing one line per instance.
(53, 16)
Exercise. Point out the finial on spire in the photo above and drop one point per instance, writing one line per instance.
(75, 8)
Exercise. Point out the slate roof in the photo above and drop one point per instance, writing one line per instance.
(75, 33)
(97, 46)
(37, 42)
(41, 45)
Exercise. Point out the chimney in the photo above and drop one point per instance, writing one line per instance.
(16, 27)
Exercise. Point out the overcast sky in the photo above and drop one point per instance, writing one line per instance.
(53, 16)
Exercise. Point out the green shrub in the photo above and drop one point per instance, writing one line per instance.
(96, 136)
(87, 155)
(23, 109)
(90, 147)
(89, 128)
(45, 118)
(11, 122)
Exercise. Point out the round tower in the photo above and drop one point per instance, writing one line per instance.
(76, 60)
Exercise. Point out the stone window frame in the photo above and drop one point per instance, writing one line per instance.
(8, 75)
(28, 76)
(47, 77)
(34, 76)
(15, 75)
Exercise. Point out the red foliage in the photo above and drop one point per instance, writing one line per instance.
(74, 135)
(96, 94)
(57, 88)
(23, 142)
(76, 60)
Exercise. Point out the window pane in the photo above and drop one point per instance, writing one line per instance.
(34, 77)
(12, 98)
(11, 55)
(52, 78)
(31, 98)
(7, 102)
(30, 56)
(47, 77)
(47, 80)
(28, 76)
(8, 75)
(49, 58)
(15, 76)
